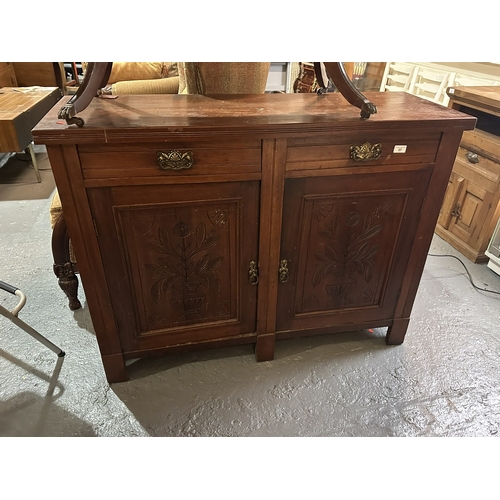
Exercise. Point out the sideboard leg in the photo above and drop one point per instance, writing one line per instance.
(114, 366)
(264, 348)
(397, 331)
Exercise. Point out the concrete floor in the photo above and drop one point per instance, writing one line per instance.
(443, 381)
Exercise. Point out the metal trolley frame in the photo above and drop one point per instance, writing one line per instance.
(12, 316)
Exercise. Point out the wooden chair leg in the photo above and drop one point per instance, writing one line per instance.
(63, 268)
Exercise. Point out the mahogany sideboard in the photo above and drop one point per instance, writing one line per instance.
(204, 221)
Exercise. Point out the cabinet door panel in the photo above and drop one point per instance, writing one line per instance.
(347, 241)
(472, 207)
(181, 256)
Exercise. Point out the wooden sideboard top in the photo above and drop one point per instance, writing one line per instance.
(149, 117)
(486, 99)
(486, 95)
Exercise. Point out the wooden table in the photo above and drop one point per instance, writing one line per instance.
(203, 221)
(21, 108)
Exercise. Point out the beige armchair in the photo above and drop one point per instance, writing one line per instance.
(142, 78)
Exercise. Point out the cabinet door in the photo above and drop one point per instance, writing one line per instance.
(470, 211)
(177, 260)
(347, 240)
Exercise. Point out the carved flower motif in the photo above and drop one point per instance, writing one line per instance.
(180, 266)
(182, 230)
(352, 218)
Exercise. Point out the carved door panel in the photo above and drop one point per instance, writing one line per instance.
(181, 254)
(346, 241)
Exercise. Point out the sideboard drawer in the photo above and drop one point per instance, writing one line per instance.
(382, 148)
(482, 142)
(205, 157)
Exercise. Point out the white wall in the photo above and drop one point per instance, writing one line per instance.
(488, 68)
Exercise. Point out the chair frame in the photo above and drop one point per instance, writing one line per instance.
(64, 269)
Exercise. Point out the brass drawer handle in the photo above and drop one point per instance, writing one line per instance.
(366, 152)
(472, 157)
(283, 271)
(175, 160)
(253, 273)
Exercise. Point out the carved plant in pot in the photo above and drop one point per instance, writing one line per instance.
(185, 269)
(345, 257)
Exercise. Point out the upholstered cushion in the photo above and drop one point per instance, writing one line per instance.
(158, 86)
(127, 71)
(55, 208)
(222, 78)
(55, 211)
(170, 69)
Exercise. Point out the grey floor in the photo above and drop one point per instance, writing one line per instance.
(443, 381)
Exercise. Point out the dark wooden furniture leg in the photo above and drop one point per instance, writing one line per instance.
(115, 368)
(336, 71)
(396, 332)
(264, 347)
(96, 77)
(63, 268)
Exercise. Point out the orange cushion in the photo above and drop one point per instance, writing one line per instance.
(130, 71)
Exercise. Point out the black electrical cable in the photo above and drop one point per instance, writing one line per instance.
(466, 270)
